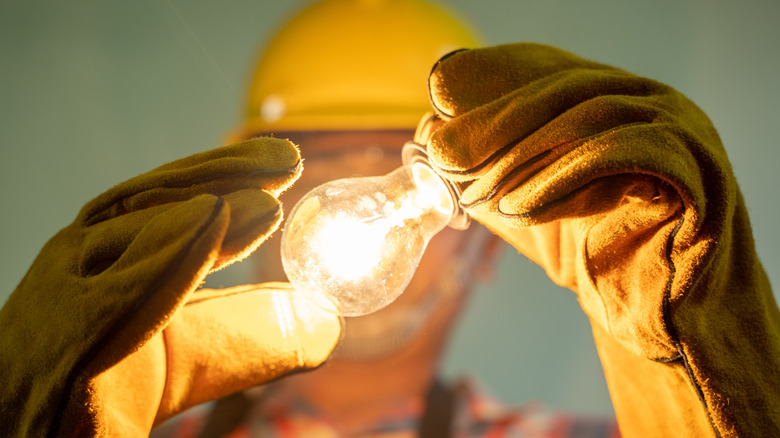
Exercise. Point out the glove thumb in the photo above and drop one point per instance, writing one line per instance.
(224, 341)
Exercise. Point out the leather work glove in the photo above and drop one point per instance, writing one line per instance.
(620, 188)
(106, 335)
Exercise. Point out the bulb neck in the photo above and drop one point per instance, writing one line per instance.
(414, 153)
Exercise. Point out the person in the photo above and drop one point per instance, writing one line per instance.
(617, 185)
(383, 375)
(351, 108)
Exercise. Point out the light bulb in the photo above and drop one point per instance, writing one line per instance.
(358, 241)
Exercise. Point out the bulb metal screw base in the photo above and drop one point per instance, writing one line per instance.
(414, 152)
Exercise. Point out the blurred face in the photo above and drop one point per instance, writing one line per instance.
(433, 295)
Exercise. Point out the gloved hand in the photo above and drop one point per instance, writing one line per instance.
(105, 335)
(620, 188)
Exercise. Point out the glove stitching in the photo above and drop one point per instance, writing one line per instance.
(101, 343)
(670, 359)
(670, 328)
(697, 387)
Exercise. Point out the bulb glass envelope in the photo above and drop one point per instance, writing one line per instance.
(358, 241)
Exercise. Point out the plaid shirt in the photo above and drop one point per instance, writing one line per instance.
(479, 415)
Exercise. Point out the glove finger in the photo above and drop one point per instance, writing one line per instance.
(555, 112)
(137, 295)
(224, 341)
(523, 178)
(254, 215)
(542, 144)
(261, 163)
(467, 79)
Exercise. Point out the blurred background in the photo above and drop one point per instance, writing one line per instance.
(93, 93)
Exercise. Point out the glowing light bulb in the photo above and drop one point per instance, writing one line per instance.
(358, 240)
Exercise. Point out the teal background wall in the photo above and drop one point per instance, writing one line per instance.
(93, 93)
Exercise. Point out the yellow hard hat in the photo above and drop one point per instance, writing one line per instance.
(351, 64)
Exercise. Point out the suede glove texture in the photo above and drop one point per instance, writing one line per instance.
(106, 334)
(620, 188)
